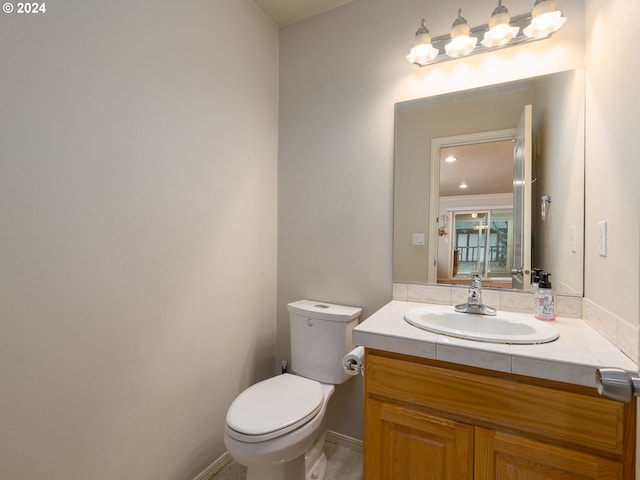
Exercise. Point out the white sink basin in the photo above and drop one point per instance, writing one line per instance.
(505, 327)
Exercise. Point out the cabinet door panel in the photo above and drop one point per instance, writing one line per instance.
(500, 456)
(416, 446)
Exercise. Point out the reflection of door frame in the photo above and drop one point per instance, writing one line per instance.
(523, 158)
(434, 187)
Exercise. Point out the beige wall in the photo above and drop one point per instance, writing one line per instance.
(137, 233)
(341, 73)
(613, 282)
(612, 174)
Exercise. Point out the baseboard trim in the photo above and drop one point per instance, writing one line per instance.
(215, 467)
(344, 441)
(332, 437)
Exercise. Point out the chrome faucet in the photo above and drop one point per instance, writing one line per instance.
(474, 302)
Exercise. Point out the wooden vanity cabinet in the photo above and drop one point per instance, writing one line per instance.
(430, 420)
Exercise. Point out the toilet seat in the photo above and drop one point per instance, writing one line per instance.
(273, 407)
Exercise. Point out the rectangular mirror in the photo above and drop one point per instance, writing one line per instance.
(513, 198)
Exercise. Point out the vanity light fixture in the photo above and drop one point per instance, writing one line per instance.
(502, 31)
(461, 43)
(545, 20)
(422, 51)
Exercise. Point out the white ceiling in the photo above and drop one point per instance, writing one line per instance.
(485, 167)
(284, 12)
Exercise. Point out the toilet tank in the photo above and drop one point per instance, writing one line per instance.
(321, 335)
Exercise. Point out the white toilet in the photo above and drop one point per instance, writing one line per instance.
(276, 428)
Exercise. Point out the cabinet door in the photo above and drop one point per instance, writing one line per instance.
(402, 444)
(505, 457)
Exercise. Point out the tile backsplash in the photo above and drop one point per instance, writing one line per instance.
(618, 331)
(621, 333)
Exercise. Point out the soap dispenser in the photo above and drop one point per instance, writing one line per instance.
(535, 279)
(545, 305)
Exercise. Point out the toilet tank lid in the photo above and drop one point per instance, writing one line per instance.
(324, 310)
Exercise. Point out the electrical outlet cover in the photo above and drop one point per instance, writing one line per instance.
(602, 239)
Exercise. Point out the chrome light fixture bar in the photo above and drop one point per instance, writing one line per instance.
(502, 31)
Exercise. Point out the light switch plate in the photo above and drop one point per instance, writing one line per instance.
(602, 239)
(417, 239)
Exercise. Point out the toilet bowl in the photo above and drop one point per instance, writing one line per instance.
(277, 427)
(288, 443)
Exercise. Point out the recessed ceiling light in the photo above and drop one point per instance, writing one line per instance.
(463, 185)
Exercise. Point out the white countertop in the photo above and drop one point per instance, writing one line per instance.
(572, 358)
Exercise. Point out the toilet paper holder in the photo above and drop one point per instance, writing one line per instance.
(354, 366)
(353, 362)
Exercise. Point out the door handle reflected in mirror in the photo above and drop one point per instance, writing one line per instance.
(519, 270)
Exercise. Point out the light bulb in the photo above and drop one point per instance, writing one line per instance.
(461, 42)
(545, 19)
(422, 51)
(500, 32)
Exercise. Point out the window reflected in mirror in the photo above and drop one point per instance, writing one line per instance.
(481, 242)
